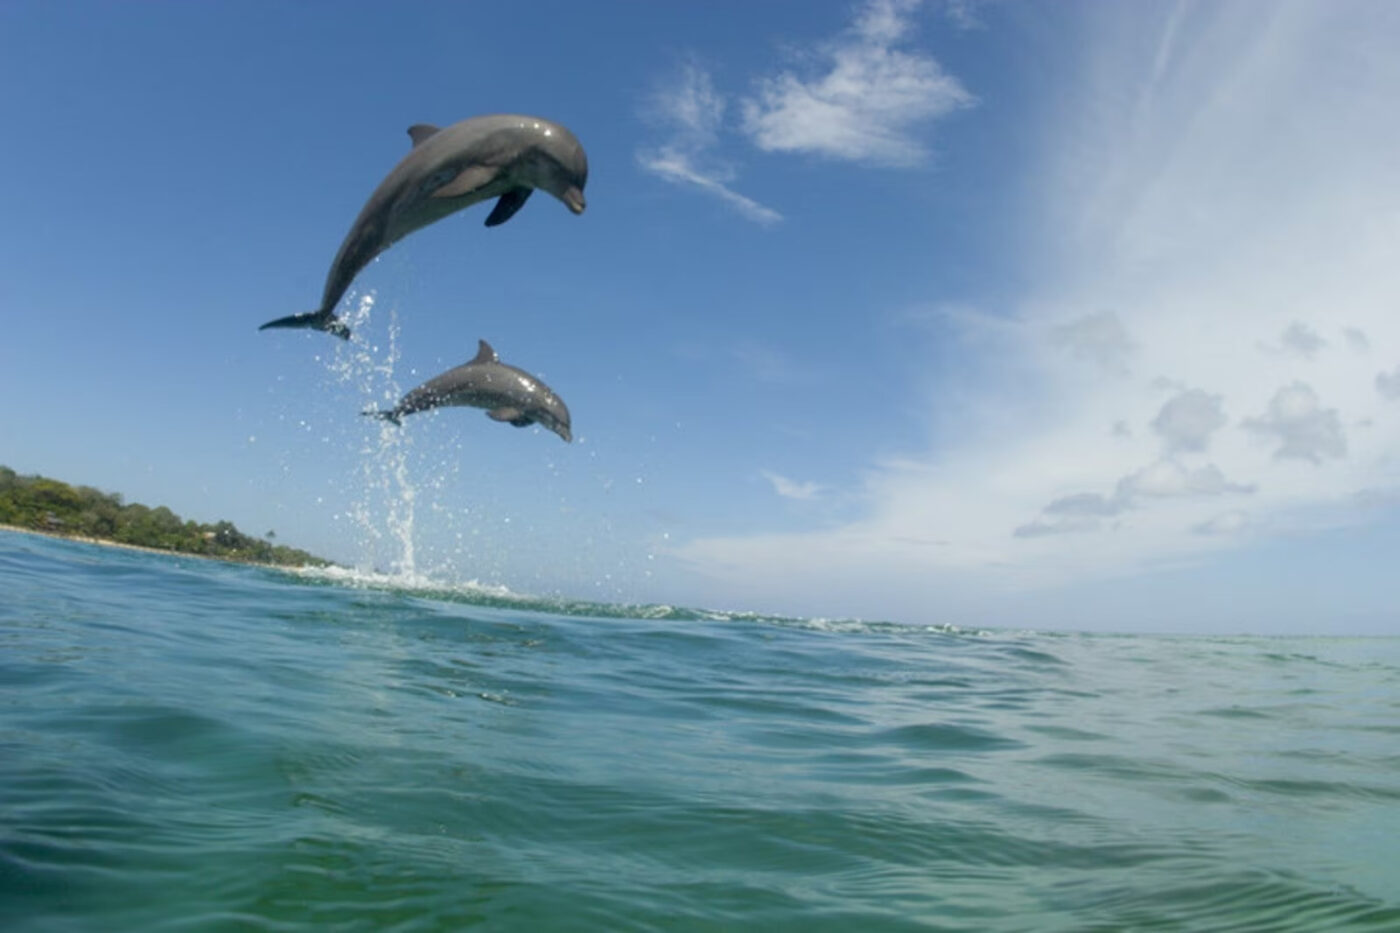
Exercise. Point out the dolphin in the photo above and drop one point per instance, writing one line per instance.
(502, 155)
(507, 394)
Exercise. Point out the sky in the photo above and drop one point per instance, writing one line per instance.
(1013, 314)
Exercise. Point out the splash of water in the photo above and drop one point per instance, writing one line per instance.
(383, 506)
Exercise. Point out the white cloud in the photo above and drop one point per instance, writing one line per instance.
(1304, 430)
(1187, 421)
(1388, 384)
(690, 106)
(1301, 339)
(1084, 504)
(864, 103)
(1099, 338)
(675, 166)
(1168, 478)
(1164, 479)
(1211, 172)
(1226, 523)
(1064, 525)
(766, 364)
(691, 112)
(790, 489)
(963, 13)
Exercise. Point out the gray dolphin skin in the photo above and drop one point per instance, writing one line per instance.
(502, 155)
(507, 393)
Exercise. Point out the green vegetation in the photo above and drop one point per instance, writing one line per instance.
(47, 505)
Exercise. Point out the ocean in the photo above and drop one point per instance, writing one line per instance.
(192, 745)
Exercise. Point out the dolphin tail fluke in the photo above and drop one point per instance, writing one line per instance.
(319, 320)
(390, 416)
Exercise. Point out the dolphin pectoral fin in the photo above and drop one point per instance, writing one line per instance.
(468, 180)
(509, 415)
(319, 320)
(421, 131)
(510, 202)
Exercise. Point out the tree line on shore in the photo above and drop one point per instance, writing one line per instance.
(51, 506)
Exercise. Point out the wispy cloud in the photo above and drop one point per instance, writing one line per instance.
(865, 101)
(677, 166)
(765, 363)
(691, 113)
(1226, 523)
(963, 13)
(1099, 338)
(862, 97)
(790, 489)
(1215, 175)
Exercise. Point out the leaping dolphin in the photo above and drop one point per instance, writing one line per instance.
(507, 393)
(505, 155)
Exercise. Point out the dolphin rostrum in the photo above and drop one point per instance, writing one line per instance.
(505, 155)
(507, 394)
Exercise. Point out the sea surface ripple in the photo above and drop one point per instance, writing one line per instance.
(190, 745)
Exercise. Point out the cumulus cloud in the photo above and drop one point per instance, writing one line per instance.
(866, 99)
(859, 98)
(1066, 525)
(790, 489)
(1098, 338)
(691, 112)
(1212, 173)
(1168, 478)
(1084, 505)
(1301, 339)
(1164, 479)
(1388, 384)
(1187, 421)
(1356, 339)
(1226, 523)
(1304, 430)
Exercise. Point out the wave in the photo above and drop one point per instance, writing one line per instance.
(497, 596)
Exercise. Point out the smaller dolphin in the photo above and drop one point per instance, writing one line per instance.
(507, 394)
(504, 156)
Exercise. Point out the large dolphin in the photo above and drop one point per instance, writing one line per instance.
(507, 394)
(505, 155)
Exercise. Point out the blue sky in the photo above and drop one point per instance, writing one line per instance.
(1070, 315)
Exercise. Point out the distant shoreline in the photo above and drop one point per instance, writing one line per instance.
(107, 542)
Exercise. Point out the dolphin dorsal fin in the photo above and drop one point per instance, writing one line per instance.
(421, 131)
(484, 354)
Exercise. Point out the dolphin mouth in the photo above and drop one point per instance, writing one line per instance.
(573, 199)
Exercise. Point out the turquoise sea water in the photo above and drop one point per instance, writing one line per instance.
(187, 745)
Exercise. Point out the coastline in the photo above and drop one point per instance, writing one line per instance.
(105, 542)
